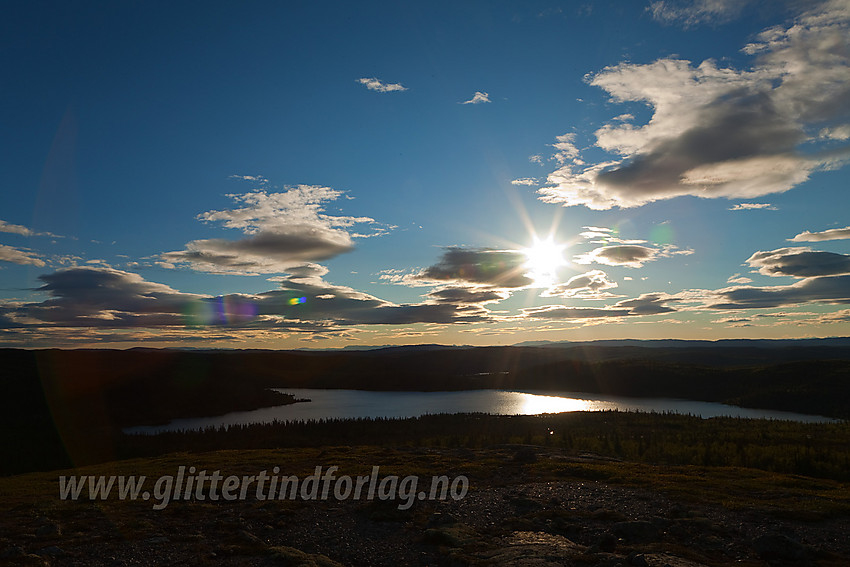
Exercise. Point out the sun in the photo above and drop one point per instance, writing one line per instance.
(544, 259)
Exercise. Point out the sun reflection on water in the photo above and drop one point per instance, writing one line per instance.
(533, 404)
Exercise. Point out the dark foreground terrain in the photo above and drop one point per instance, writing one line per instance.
(526, 506)
(59, 408)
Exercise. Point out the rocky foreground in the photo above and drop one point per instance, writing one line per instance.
(526, 506)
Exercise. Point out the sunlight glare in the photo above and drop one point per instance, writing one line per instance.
(544, 259)
(534, 404)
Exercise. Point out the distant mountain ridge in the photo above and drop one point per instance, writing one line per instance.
(648, 343)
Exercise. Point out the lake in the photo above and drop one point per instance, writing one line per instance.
(359, 403)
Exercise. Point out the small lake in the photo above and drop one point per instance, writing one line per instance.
(326, 404)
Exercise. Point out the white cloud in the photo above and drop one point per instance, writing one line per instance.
(831, 234)
(567, 150)
(18, 256)
(23, 230)
(739, 279)
(283, 233)
(721, 132)
(528, 181)
(589, 285)
(836, 133)
(15, 229)
(375, 84)
(752, 206)
(478, 98)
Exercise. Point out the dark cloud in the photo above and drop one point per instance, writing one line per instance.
(95, 297)
(498, 268)
(800, 263)
(283, 232)
(467, 295)
(648, 304)
(629, 255)
(313, 299)
(828, 289)
(263, 253)
(104, 297)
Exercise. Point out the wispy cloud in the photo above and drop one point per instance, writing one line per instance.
(478, 98)
(19, 256)
(15, 229)
(527, 181)
(720, 132)
(753, 206)
(689, 13)
(23, 230)
(831, 234)
(738, 279)
(590, 285)
(375, 84)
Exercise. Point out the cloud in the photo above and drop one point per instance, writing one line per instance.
(478, 98)
(632, 256)
(689, 13)
(468, 295)
(257, 178)
(647, 304)
(572, 313)
(739, 279)
(375, 84)
(18, 256)
(831, 234)
(720, 132)
(828, 289)
(528, 181)
(284, 232)
(498, 268)
(752, 206)
(567, 150)
(800, 263)
(103, 297)
(23, 231)
(15, 229)
(589, 285)
(837, 133)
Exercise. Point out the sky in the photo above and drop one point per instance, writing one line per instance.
(333, 174)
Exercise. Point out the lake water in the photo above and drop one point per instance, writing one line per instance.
(358, 403)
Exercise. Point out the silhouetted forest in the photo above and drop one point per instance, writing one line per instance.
(59, 404)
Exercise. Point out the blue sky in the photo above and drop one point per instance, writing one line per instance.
(324, 174)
